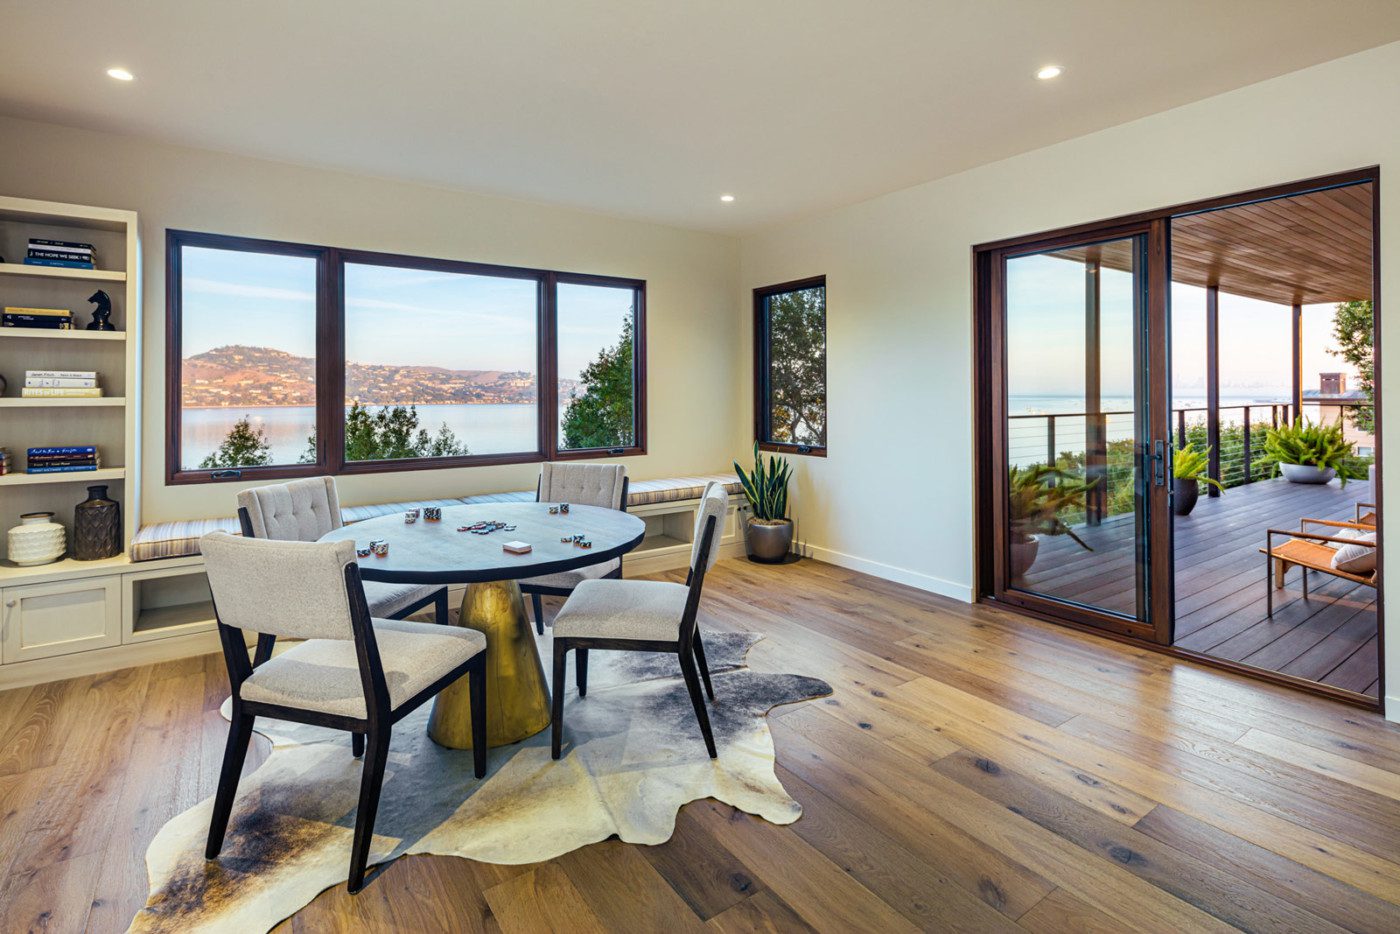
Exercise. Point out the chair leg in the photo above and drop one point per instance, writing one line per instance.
(476, 685)
(440, 610)
(538, 605)
(692, 684)
(581, 671)
(240, 733)
(556, 686)
(1269, 582)
(1305, 583)
(357, 744)
(264, 650)
(371, 783)
(704, 666)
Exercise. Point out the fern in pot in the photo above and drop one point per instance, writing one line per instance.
(1190, 468)
(768, 532)
(1040, 497)
(1310, 453)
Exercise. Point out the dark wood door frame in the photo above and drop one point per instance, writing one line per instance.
(989, 491)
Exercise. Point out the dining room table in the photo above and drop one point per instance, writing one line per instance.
(458, 549)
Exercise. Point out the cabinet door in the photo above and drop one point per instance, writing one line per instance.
(43, 620)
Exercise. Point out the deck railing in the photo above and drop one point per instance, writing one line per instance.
(1099, 444)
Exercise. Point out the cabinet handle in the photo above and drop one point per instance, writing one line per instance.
(11, 603)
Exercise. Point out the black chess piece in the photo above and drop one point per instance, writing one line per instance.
(102, 312)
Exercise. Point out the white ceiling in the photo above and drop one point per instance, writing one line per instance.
(651, 108)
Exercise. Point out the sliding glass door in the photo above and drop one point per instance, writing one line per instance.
(1080, 447)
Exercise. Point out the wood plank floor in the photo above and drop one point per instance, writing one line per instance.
(1330, 637)
(974, 770)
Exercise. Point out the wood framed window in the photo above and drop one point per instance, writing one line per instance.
(293, 360)
(790, 366)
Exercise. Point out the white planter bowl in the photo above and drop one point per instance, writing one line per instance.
(37, 540)
(1306, 473)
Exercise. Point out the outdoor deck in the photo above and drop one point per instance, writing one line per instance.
(1330, 637)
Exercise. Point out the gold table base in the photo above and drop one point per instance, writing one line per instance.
(517, 702)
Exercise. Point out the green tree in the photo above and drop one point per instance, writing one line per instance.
(245, 446)
(797, 366)
(391, 433)
(1353, 325)
(601, 416)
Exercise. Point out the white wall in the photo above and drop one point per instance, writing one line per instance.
(692, 321)
(894, 496)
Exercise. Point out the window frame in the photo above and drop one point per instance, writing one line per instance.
(330, 360)
(762, 408)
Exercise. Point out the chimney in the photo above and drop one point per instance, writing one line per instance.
(1333, 383)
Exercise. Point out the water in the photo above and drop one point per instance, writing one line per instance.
(486, 429)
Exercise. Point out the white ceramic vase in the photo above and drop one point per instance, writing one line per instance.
(37, 540)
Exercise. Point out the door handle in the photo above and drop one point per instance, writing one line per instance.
(1159, 462)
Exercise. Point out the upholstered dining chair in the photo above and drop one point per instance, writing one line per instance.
(643, 616)
(353, 673)
(303, 511)
(602, 485)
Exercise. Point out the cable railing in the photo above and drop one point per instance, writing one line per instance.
(1101, 444)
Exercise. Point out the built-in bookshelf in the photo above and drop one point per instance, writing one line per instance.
(111, 422)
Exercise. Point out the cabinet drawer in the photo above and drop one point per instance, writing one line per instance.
(43, 620)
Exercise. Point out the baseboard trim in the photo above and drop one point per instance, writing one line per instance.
(1392, 708)
(928, 582)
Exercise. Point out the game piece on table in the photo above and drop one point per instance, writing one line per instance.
(517, 548)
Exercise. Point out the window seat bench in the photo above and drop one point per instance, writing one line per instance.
(653, 500)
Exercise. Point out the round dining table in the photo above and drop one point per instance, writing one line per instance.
(445, 552)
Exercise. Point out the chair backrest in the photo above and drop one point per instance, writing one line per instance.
(585, 484)
(292, 589)
(714, 503)
(297, 511)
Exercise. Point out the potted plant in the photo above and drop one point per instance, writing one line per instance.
(768, 532)
(1310, 453)
(1039, 495)
(1189, 468)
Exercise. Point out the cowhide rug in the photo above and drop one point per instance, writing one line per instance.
(633, 756)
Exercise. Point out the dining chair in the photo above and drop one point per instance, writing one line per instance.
(353, 672)
(305, 510)
(643, 616)
(602, 485)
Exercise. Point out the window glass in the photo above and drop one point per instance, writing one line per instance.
(597, 366)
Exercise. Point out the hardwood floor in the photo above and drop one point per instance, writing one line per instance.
(1221, 610)
(974, 770)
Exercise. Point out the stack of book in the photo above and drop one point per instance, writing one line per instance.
(61, 384)
(58, 319)
(4, 462)
(60, 253)
(62, 460)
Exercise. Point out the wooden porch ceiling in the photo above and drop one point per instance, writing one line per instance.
(1306, 249)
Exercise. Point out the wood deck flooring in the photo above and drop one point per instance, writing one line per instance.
(973, 771)
(1331, 637)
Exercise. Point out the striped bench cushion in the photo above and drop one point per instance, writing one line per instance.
(181, 539)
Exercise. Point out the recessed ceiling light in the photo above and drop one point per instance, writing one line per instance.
(726, 198)
(1048, 72)
(121, 74)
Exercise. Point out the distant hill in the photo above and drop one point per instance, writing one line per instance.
(238, 375)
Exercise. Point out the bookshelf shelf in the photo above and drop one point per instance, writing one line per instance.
(48, 334)
(47, 402)
(75, 476)
(62, 272)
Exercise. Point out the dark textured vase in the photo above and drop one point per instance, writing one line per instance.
(1185, 492)
(97, 526)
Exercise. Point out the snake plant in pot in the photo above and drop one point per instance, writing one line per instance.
(768, 532)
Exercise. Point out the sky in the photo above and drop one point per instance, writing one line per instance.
(1045, 336)
(393, 315)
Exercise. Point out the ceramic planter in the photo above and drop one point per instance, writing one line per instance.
(37, 540)
(1023, 555)
(768, 541)
(1306, 473)
(1185, 492)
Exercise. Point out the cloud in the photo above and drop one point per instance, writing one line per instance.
(244, 290)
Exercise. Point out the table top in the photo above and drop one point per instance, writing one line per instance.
(436, 553)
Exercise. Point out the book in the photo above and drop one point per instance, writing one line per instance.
(89, 462)
(59, 382)
(60, 374)
(31, 261)
(60, 244)
(61, 469)
(61, 392)
(74, 257)
(81, 448)
(64, 458)
(51, 312)
(43, 322)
